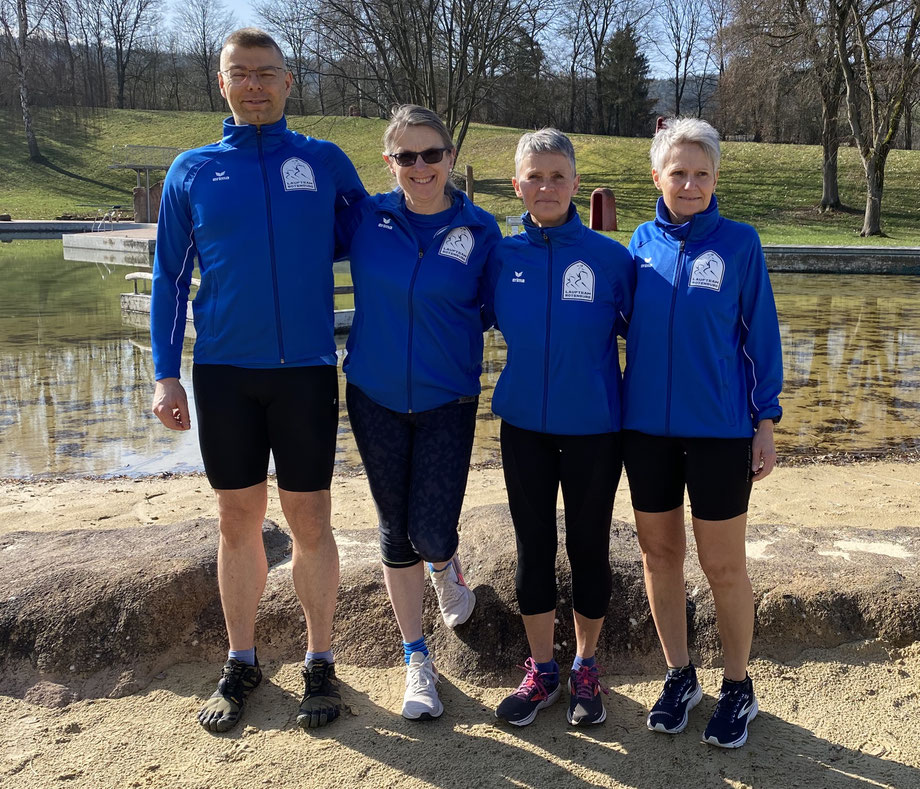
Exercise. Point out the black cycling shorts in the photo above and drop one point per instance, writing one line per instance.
(716, 472)
(244, 413)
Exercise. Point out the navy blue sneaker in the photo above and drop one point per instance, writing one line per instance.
(681, 693)
(735, 709)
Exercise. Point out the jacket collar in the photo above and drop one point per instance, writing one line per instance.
(247, 135)
(698, 226)
(570, 232)
(394, 203)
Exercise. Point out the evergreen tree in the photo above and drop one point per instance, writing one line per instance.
(627, 104)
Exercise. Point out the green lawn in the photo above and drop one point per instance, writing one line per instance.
(774, 187)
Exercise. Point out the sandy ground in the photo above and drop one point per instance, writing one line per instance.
(848, 717)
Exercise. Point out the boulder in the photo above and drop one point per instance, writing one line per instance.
(100, 612)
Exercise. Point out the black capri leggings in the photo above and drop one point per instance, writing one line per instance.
(588, 468)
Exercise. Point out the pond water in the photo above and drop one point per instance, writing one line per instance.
(77, 379)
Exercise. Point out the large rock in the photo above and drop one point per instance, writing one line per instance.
(100, 612)
(115, 603)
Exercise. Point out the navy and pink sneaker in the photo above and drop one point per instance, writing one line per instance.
(536, 691)
(586, 704)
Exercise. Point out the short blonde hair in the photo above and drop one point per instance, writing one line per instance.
(677, 131)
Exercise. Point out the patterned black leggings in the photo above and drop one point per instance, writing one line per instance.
(417, 466)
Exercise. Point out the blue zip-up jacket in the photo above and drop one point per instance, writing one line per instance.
(258, 211)
(561, 297)
(416, 341)
(703, 355)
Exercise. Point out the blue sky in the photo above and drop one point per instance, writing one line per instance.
(242, 10)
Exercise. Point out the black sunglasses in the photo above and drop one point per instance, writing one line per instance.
(429, 156)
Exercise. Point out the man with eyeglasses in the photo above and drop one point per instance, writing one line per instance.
(257, 210)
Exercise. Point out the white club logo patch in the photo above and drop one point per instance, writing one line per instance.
(297, 174)
(707, 271)
(458, 244)
(578, 282)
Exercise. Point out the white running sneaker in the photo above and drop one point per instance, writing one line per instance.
(421, 702)
(455, 599)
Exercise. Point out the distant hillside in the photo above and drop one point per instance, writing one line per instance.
(774, 187)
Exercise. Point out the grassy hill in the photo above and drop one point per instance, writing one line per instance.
(774, 187)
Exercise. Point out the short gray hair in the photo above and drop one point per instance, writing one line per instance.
(546, 140)
(405, 115)
(677, 131)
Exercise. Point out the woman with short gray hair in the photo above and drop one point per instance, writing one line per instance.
(701, 392)
(562, 295)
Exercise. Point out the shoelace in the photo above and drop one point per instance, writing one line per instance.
(316, 677)
(532, 681)
(674, 688)
(419, 677)
(232, 683)
(586, 678)
(728, 704)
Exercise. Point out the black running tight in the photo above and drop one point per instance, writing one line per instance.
(588, 468)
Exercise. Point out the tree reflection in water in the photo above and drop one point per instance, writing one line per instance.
(76, 378)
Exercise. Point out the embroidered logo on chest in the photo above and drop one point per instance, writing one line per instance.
(578, 282)
(297, 174)
(707, 271)
(458, 244)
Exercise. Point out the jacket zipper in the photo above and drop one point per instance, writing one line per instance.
(418, 264)
(271, 247)
(674, 285)
(549, 310)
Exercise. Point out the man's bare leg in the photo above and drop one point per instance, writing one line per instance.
(241, 572)
(315, 568)
(241, 564)
(315, 564)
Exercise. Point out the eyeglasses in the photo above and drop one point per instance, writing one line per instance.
(429, 156)
(268, 75)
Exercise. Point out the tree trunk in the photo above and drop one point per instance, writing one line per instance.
(830, 146)
(19, 51)
(909, 128)
(875, 182)
(32, 142)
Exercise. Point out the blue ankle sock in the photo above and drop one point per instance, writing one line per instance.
(552, 669)
(434, 569)
(583, 661)
(247, 656)
(415, 646)
(327, 656)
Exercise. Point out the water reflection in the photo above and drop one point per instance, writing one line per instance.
(76, 380)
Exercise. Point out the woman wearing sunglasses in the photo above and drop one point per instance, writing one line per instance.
(418, 258)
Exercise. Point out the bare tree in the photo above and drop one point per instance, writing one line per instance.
(17, 31)
(294, 22)
(601, 19)
(682, 24)
(804, 33)
(203, 25)
(126, 21)
(877, 52)
(444, 54)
